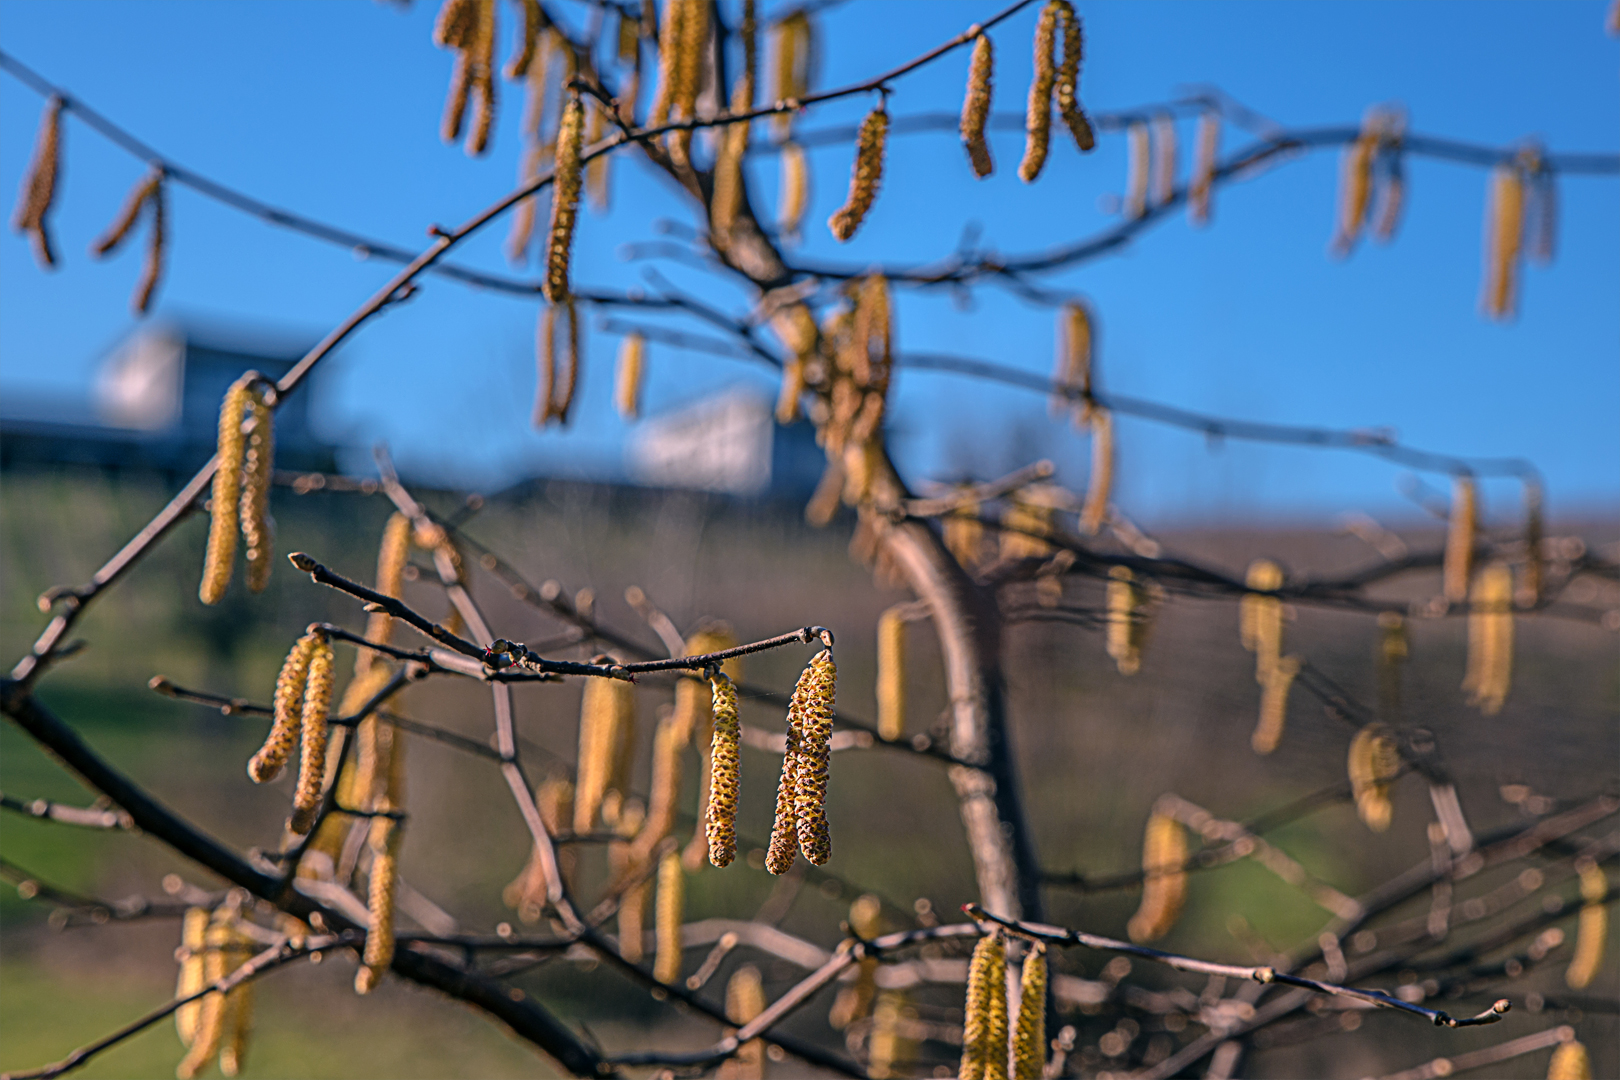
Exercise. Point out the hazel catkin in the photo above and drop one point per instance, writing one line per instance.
(984, 1027)
(724, 776)
(1504, 240)
(976, 106)
(891, 677)
(1274, 704)
(1570, 1062)
(1164, 878)
(1462, 527)
(1490, 639)
(1206, 149)
(1591, 927)
(1068, 79)
(384, 880)
(865, 177)
(814, 699)
(258, 530)
(671, 904)
(564, 201)
(38, 191)
(627, 387)
(267, 763)
(313, 737)
(1038, 116)
(192, 945)
(1094, 512)
(1374, 761)
(606, 712)
(1029, 1041)
(227, 493)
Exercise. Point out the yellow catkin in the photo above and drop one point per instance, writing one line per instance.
(1374, 761)
(1274, 704)
(854, 1002)
(129, 215)
(212, 1014)
(1038, 118)
(1073, 373)
(731, 145)
(1490, 639)
(39, 184)
(671, 906)
(784, 842)
(391, 556)
(627, 387)
(598, 169)
(1138, 165)
(791, 61)
(1530, 586)
(1261, 617)
(665, 789)
(1026, 523)
(480, 55)
(1127, 620)
(192, 944)
(1591, 927)
(1462, 526)
(600, 715)
(669, 51)
(534, 20)
(1068, 79)
(984, 1027)
(891, 677)
(794, 199)
(1206, 150)
(1355, 186)
(692, 51)
(1570, 1062)
(865, 177)
(745, 1000)
(223, 507)
(963, 533)
(384, 879)
(1164, 878)
(258, 530)
(724, 775)
(267, 763)
(564, 201)
(632, 914)
(1163, 186)
(814, 698)
(453, 27)
(239, 1019)
(1029, 1042)
(456, 28)
(976, 106)
(1099, 491)
(312, 762)
(1504, 240)
(888, 1047)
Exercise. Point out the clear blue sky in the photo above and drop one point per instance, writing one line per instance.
(332, 110)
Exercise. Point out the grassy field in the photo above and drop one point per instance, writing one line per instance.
(1094, 749)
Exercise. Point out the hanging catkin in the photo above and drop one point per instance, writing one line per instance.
(1100, 488)
(1591, 927)
(1029, 1043)
(1462, 525)
(258, 530)
(1260, 617)
(724, 775)
(632, 915)
(1027, 522)
(1393, 649)
(865, 177)
(1164, 878)
(984, 1026)
(313, 736)
(456, 29)
(1374, 762)
(1274, 704)
(854, 1002)
(192, 945)
(671, 904)
(664, 791)
(964, 534)
(784, 843)
(211, 1014)
(129, 215)
(1073, 376)
(384, 841)
(976, 106)
(534, 20)
(1490, 639)
(813, 697)
(517, 241)
(1355, 184)
(1504, 240)
(553, 399)
(156, 245)
(1206, 149)
(891, 678)
(480, 54)
(1127, 620)
(530, 891)
(791, 62)
(1038, 117)
(627, 385)
(239, 1014)
(1068, 79)
(38, 190)
(227, 494)
(889, 1047)
(794, 199)
(602, 715)
(564, 201)
(669, 53)
(1138, 164)
(745, 1000)
(271, 758)
(1570, 1062)
(1163, 186)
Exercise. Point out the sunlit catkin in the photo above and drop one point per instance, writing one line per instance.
(384, 879)
(791, 62)
(976, 106)
(1068, 80)
(671, 905)
(1138, 165)
(211, 1015)
(627, 385)
(313, 725)
(984, 1026)
(1099, 491)
(1206, 149)
(1164, 878)
(1162, 187)
(267, 763)
(814, 697)
(1504, 240)
(865, 177)
(1490, 639)
(1029, 1042)
(891, 677)
(669, 61)
(1038, 116)
(258, 531)
(601, 716)
(223, 507)
(1274, 704)
(564, 201)
(39, 184)
(724, 773)
(854, 1001)
(745, 1000)
(784, 843)
(1374, 761)
(1127, 620)
(1462, 527)
(192, 946)
(1570, 1062)
(1073, 375)
(1260, 617)
(794, 199)
(1592, 926)
(889, 1046)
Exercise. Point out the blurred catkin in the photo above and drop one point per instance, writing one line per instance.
(1261, 617)
(794, 199)
(1099, 491)
(976, 106)
(984, 1027)
(1591, 927)
(1504, 240)
(602, 715)
(671, 906)
(1462, 527)
(1530, 586)
(1570, 1062)
(1138, 164)
(792, 58)
(1490, 639)
(1127, 620)
(227, 493)
(745, 1000)
(211, 1014)
(1374, 761)
(1274, 704)
(1163, 186)
(1073, 376)
(627, 387)
(139, 197)
(1164, 878)
(865, 177)
(1206, 151)
(193, 929)
(891, 678)
(38, 190)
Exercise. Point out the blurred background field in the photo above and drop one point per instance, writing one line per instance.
(1094, 749)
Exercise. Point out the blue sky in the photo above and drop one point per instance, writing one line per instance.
(333, 111)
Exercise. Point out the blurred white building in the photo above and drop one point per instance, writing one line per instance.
(729, 444)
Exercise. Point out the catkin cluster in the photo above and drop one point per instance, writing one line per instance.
(1490, 639)
(467, 27)
(302, 703)
(724, 773)
(1029, 1040)
(1164, 878)
(1028, 520)
(1592, 926)
(1061, 74)
(215, 1026)
(1375, 760)
(554, 396)
(801, 796)
(865, 177)
(862, 342)
(39, 185)
(241, 495)
(984, 1027)
(1370, 173)
(683, 46)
